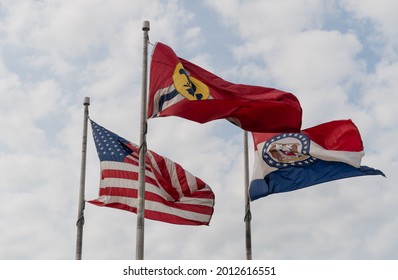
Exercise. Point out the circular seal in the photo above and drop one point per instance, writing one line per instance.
(288, 149)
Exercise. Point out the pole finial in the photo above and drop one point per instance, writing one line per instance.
(86, 101)
(145, 26)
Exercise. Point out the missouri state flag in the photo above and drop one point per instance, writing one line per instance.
(289, 161)
(183, 89)
(172, 194)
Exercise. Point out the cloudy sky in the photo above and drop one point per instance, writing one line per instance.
(340, 58)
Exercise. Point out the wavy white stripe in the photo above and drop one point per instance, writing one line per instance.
(159, 93)
(123, 166)
(155, 206)
(133, 184)
(173, 174)
(352, 158)
(197, 201)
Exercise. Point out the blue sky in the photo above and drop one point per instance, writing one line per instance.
(340, 58)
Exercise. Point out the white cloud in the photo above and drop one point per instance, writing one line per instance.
(258, 19)
(381, 14)
(380, 95)
(313, 59)
(56, 52)
(66, 27)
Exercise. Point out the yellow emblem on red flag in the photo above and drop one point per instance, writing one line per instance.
(189, 87)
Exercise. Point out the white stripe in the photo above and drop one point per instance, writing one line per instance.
(136, 160)
(261, 168)
(159, 93)
(116, 165)
(169, 165)
(191, 180)
(159, 207)
(133, 184)
(185, 200)
(352, 158)
(197, 201)
(171, 169)
(155, 206)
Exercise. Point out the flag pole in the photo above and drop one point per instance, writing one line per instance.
(80, 215)
(142, 151)
(248, 215)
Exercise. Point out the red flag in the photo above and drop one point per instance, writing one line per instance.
(172, 194)
(181, 88)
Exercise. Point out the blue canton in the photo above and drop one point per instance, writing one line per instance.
(110, 146)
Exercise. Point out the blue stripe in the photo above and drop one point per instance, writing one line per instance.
(166, 97)
(294, 178)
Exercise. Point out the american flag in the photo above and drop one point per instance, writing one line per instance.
(172, 194)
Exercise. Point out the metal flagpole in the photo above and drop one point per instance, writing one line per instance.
(142, 151)
(248, 215)
(80, 215)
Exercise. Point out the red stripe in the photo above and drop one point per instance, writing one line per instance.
(122, 174)
(341, 135)
(133, 193)
(179, 172)
(134, 148)
(135, 163)
(133, 176)
(161, 164)
(182, 178)
(200, 183)
(131, 161)
(153, 215)
(202, 194)
(159, 216)
(164, 176)
(135, 153)
(208, 194)
(164, 182)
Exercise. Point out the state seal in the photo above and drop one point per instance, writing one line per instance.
(288, 149)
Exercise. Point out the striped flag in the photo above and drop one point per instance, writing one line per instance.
(183, 89)
(172, 194)
(290, 161)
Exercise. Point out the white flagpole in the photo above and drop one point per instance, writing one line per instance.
(142, 151)
(80, 215)
(248, 215)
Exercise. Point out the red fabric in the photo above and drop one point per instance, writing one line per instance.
(172, 194)
(253, 108)
(339, 135)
